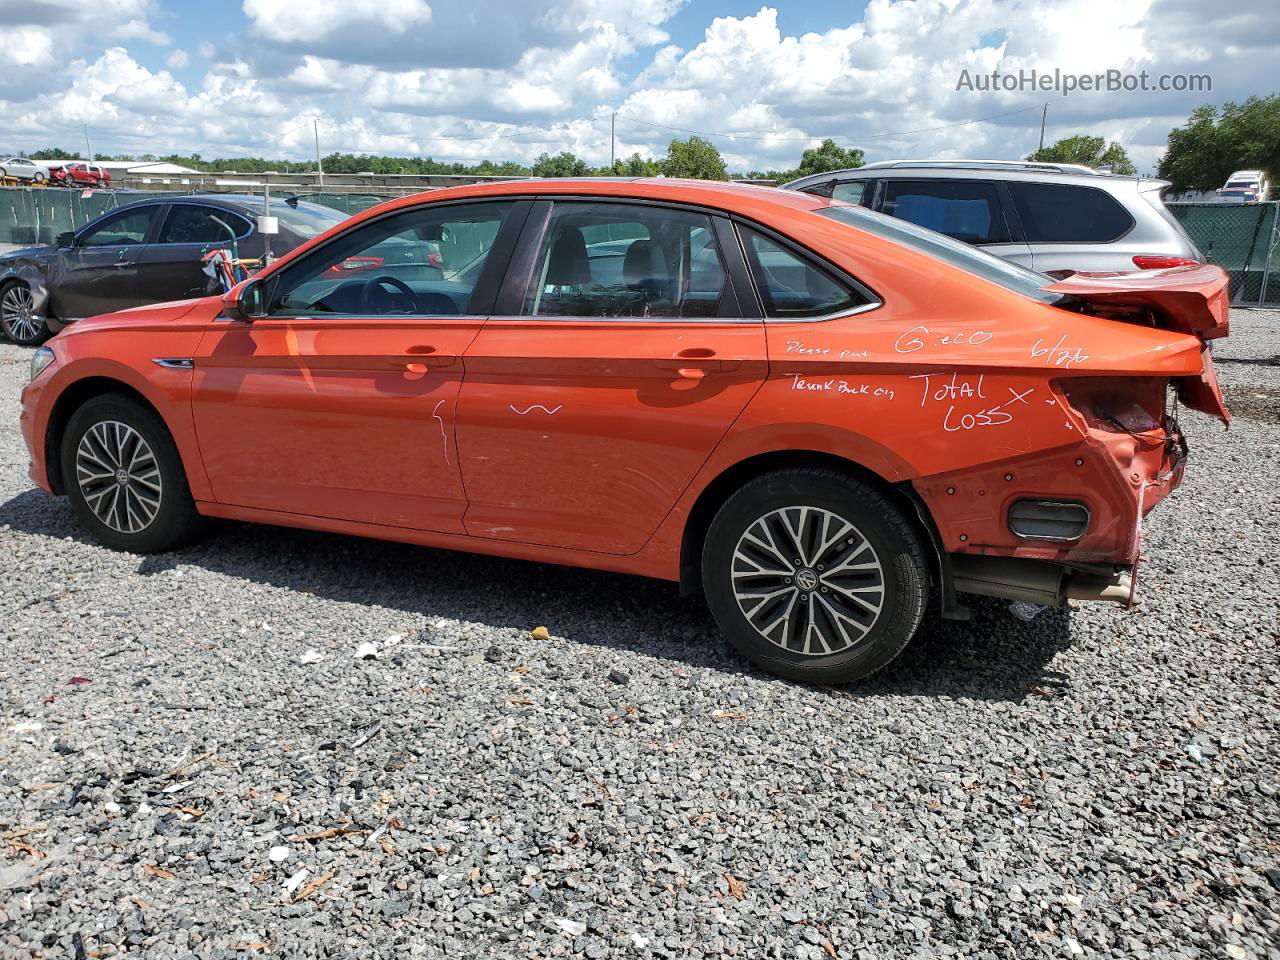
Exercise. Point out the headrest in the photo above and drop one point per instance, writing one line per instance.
(568, 266)
(644, 264)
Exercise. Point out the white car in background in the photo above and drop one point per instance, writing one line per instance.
(21, 168)
(1245, 186)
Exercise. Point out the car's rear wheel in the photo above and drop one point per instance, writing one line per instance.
(18, 317)
(815, 575)
(102, 182)
(38, 177)
(124, 477)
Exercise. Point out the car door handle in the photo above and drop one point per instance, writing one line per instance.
(420, 362)
(124, 263)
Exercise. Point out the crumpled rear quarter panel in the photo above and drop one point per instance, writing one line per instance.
(955, 389)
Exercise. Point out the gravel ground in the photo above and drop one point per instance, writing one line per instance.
(193, 761)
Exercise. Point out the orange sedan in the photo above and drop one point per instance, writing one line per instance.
(827, 420)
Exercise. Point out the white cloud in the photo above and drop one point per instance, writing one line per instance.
(324, 21)
(512, 78)
(26, 48)
(141, 30)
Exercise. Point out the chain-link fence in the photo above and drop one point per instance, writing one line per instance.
(30, 215)
(1240, 238)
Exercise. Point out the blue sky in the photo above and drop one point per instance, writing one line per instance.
(512, 78)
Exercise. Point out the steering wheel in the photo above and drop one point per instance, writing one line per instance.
(374, 289)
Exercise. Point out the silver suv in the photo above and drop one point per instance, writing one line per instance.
(1054, 218)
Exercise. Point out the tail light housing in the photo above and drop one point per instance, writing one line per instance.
(1153, 261)
(1130, 405)
(344, 268)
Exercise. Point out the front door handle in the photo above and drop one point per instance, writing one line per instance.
(124, 263)
(419, 362)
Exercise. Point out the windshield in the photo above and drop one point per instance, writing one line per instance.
(306, 219)
(1007, 274)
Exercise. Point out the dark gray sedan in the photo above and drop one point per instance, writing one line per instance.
(151, 251)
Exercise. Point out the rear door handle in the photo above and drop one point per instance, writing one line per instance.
(694, 363)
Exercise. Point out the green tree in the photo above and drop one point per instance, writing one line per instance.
(828, 156)
(633, 166)
(696, 159)
(563, 164)
(1213, 144)
(1091, 151)
(52, 153)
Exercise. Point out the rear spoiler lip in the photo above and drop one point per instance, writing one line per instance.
(1190, 300)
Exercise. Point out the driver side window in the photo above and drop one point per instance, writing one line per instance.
(425, 261)
(128, 228)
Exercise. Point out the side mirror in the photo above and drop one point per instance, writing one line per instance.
(246, 302)
(67, 239)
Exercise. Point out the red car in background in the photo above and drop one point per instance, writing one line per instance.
(80, 174)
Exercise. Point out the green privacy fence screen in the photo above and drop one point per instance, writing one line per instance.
(1240, 238)
(37, 215)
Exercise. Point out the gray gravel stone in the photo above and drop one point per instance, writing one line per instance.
(1006, 789)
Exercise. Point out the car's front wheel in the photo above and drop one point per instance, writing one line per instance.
(124, 477)
(18, 317)
(815, 575)
(38, 177)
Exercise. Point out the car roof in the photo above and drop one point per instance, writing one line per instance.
(717, 194)
(241, 203)
(973, 170)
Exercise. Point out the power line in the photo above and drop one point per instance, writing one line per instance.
(551, 133)
(866, 136)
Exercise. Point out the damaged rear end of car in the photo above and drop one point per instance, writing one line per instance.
(1082, 537)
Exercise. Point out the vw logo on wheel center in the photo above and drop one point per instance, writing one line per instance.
(806, 579)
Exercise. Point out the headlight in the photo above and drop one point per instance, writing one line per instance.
(41, 359)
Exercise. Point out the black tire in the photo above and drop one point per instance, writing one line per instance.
(841, 648)
(37, 177)
(174, 520)
(18, 319)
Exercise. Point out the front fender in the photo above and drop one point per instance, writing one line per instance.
(169, 394)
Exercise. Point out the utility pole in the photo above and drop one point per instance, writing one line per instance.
(88, 151)
(319, 167)
(1044, 115)
(613, 140)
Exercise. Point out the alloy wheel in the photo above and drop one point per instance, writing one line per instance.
(18, 312)
(808, 580)
(119, 476)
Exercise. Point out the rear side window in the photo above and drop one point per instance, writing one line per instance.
(190, 224)
(790, 287)
(1065, 213)
(966, 210)
(627, 261)
(851, 191)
